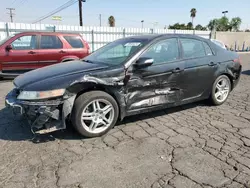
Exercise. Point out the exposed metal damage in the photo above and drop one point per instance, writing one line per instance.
(51, 115)
(114, 81)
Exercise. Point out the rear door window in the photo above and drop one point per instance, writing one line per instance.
(192, 48)
(207, 49)
(74, 41)
(50, 42)
(27, 42)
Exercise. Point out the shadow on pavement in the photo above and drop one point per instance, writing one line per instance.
(16, 128)
(247, 72)
(13, 127)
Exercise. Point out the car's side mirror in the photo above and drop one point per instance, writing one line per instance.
(143, 62)
(8, 48)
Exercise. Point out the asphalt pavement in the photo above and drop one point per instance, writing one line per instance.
(192, 146)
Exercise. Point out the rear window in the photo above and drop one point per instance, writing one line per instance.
(74, 41)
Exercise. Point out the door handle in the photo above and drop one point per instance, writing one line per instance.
(176, 70)
(212, 64)
(31, 52)
(62, 51)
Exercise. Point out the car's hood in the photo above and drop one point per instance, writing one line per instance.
(56, 71)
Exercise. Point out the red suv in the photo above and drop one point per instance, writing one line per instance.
(30, 50)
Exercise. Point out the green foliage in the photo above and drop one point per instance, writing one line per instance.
(111, 21)
(223, 24)
(189, 26)
(193, 12)
(235, 23)
(200, 27)
(178, 26)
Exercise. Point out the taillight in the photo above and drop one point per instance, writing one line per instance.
(237, 60)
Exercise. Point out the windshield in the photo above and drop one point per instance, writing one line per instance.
(117, 52)
(2, 41)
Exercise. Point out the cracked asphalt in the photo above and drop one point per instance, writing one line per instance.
(192, 146)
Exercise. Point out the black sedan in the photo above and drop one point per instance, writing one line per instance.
(126, 77)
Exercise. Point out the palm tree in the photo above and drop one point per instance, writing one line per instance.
(193, 12)
(111, 21)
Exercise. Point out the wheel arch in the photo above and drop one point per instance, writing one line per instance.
(230, 78)
(81, 88)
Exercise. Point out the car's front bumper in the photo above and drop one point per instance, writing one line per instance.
(43, 116)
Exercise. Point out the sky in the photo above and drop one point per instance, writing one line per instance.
(128, 13)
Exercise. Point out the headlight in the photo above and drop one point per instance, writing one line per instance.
(33, 95)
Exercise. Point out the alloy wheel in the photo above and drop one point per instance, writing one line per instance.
(222, 89)
(97, 116)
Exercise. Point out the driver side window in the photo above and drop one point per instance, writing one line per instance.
(28, 42)
(163, 51)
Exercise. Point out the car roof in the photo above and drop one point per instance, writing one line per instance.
(47, 33)
(162, 36)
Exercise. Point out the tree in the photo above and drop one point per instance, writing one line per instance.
(223, 24)
(189, 26)
(200, 27)
(193, 14)
(213, 24)
(177, 26)
(111, 21)
(235, 23)
(247, 30)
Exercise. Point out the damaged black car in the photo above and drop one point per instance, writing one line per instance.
(126, 77)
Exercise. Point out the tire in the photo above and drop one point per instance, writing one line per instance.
(214, 97)
(86, 102)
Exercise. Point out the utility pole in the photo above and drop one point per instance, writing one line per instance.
(142, 24)
(100, 18)
(80, 11)
(11, 13)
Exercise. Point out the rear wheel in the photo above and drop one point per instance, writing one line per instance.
(221, 89)
(94, 113)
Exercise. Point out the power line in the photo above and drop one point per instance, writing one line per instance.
(64, 6)
(21, 3)
(13, 2)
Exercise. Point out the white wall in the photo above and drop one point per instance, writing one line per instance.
(95, 36)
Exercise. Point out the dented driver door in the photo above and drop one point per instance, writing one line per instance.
(159, 84)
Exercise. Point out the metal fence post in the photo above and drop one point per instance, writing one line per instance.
(124, 32)
(54, 28)
(93, 42)
(152, 31)
(243, 47)
(194, 32)
(7, 29)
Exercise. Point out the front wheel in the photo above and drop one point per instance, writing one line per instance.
(221, 89)
(94, 113)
